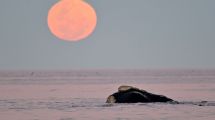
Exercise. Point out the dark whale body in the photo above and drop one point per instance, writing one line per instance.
(129, 94)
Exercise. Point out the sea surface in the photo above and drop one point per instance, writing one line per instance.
(81, 95)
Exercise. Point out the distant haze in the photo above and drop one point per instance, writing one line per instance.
(132, 34)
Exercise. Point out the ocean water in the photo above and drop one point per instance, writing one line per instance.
(81, 95)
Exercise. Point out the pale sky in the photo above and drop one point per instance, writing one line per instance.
(143, 34)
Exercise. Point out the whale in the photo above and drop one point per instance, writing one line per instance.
(130, 94)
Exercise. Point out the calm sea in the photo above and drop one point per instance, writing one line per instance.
(81, 95)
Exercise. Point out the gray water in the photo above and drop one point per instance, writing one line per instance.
(81, 94)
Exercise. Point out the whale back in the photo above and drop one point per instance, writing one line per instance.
(129, 94)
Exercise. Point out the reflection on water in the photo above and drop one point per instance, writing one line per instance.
(97, 109)
(31, 97)
(91, 108)
(85, 101)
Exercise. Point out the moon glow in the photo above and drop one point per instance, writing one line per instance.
(72, 20)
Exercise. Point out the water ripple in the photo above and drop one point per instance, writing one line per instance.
(18, 105)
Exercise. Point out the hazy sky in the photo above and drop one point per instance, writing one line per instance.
(129, 34)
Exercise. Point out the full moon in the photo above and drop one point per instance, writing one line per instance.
(72, 20)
